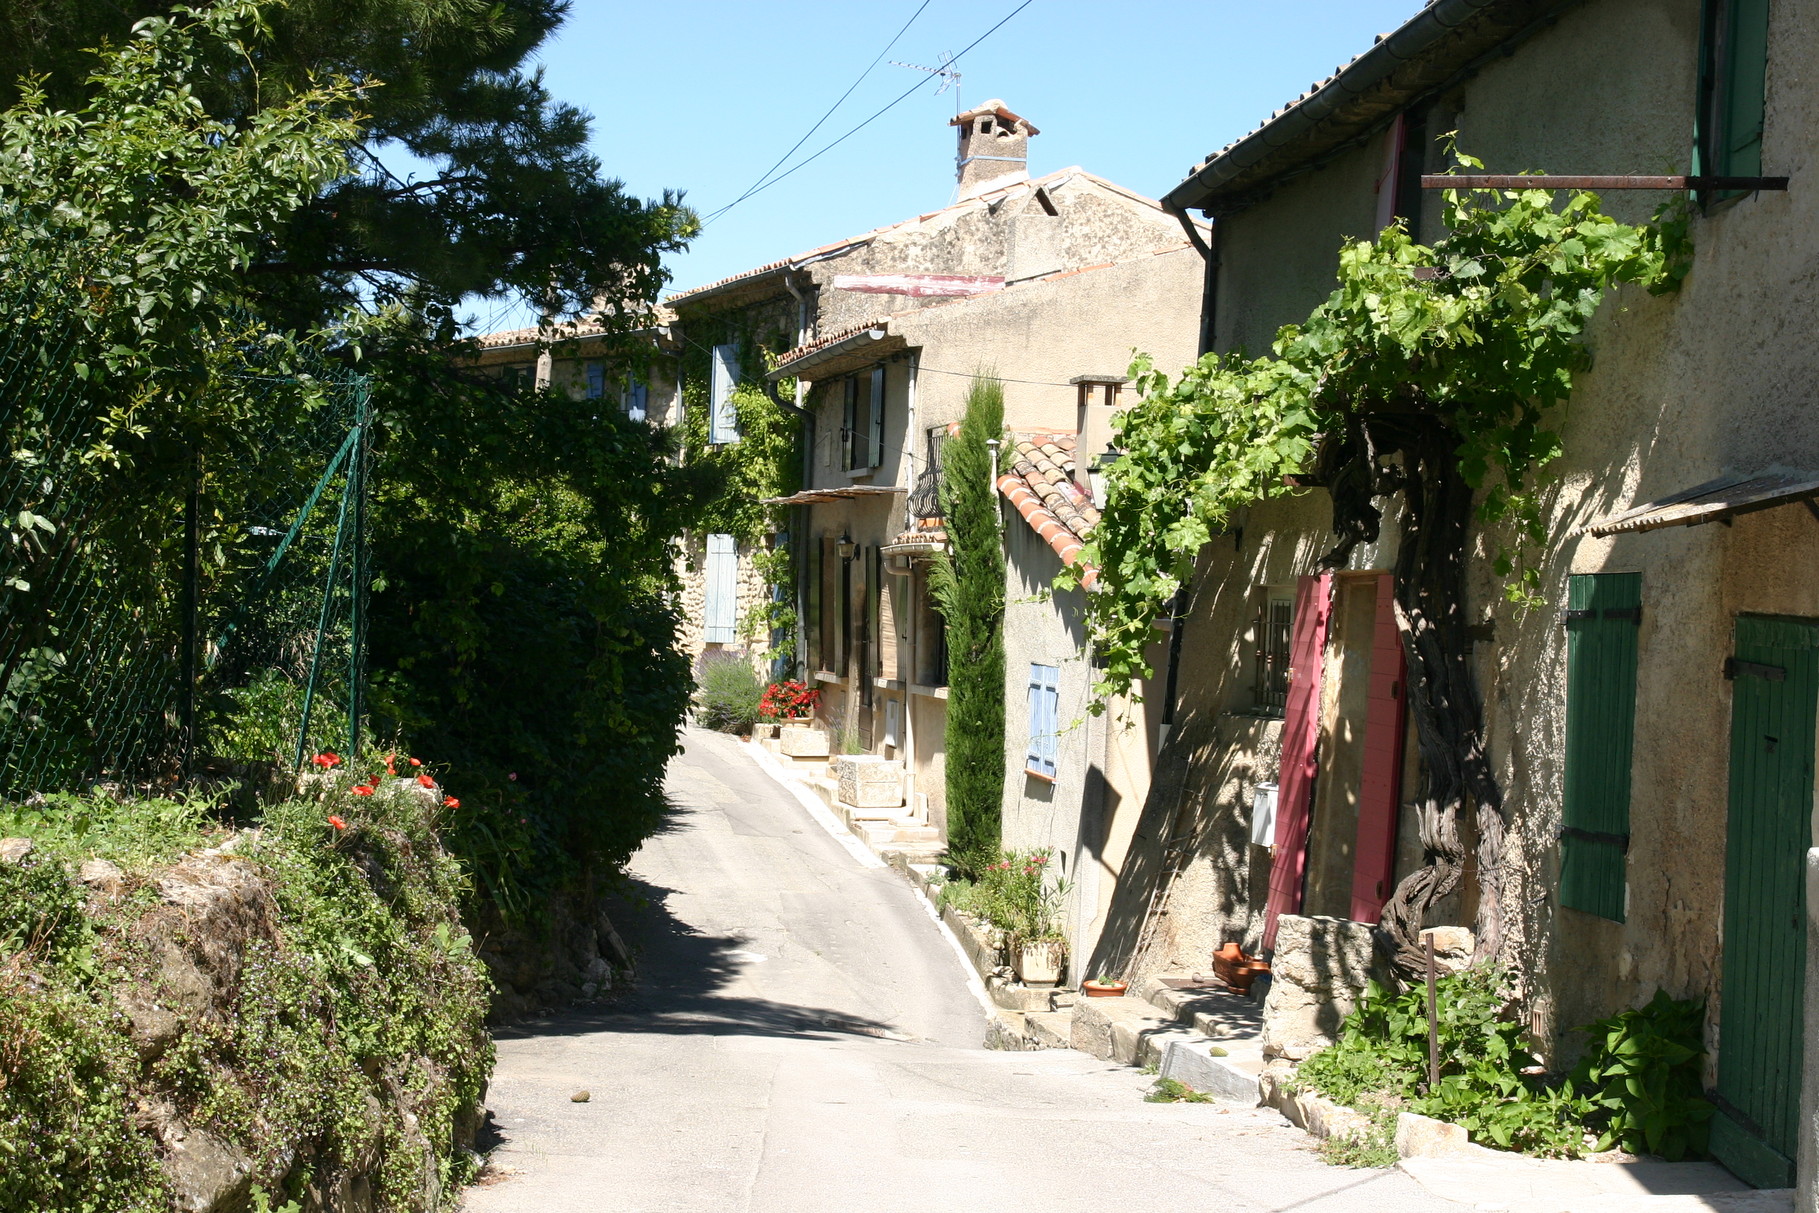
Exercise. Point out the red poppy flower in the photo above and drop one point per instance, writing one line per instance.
(451, 802)
(327, 759)
(426, 781)
(372, 781)
(363, 790)
(337, 823)
(391, 761)
(416, 762)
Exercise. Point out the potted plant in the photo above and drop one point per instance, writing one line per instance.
(1104, 986)
(1237, 969)
(788, 701)
(1029, 907)
(1039, 960)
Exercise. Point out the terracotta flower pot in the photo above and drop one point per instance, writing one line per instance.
(1236, 969)
(1094, 988)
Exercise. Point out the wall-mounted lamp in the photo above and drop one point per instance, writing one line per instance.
(1099, 468)
(845, 546)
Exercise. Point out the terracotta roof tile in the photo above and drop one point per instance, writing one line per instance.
(1040, 487)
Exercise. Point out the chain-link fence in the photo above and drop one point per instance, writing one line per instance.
(169, 600)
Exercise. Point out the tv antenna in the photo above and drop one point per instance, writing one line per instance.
(948, 76)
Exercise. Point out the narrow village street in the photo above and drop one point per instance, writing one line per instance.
(802, 1037)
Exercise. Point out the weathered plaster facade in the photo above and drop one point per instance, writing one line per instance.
(1714, 380)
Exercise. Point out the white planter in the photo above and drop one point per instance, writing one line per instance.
(1039, 964)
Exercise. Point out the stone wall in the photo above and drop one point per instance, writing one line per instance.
(751, 594)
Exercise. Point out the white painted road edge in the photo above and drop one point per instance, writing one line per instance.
(867, 859)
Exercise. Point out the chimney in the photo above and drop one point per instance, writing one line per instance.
(994, 144)
(1096, 403)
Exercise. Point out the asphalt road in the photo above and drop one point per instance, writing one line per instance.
(802, 1037)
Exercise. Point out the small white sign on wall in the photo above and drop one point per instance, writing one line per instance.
(893, 721)
(1263, 816)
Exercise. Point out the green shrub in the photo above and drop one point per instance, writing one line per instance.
(1489, 1082)
(1641, 1069)
(348, 983)
(730, 691)
(1013, 893)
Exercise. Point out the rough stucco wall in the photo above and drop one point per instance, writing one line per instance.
(1039, 335)
(1011, 239)
(1715, 380)
(1089, 814)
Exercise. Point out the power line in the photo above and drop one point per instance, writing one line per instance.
(758, 189)
(758, 184)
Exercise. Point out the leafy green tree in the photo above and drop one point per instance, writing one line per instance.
(969, 590)
(465, 178)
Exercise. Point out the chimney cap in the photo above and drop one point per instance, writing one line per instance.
(999, 110)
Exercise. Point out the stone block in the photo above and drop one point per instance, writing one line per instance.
(1114, 1028)
(1453, 947)
(1425, 1137)
(1215, 1070)
(14, 850)
(867, 781)
(1318, 973)
(802, 742)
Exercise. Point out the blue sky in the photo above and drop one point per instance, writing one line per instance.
(704, 97)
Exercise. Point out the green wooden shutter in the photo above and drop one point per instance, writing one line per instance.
(1604, 611)
(1734, 85)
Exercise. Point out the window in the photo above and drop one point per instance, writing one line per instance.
(862, 426)
(1269, 685)
(833, 610)
(1733, 81)
(635, 399)
(722, 615)
(722, 417)
(1045, 720)
(931, 634)
(596, 380)
(521, 375)
(1604, 611)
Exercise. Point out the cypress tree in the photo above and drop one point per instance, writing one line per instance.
(969, 591)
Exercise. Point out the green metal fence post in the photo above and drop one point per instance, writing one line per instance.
(356, 487)
(328, 602)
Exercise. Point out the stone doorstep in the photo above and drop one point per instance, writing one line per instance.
(1028, 999)
(1235, 1075)
(1112, 1028)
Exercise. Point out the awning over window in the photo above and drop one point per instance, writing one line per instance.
(828, 496)
(1713, 501)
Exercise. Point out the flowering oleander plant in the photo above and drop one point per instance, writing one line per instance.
(788, 700)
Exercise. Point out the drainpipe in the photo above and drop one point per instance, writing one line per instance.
(799, 525)
(908, 680)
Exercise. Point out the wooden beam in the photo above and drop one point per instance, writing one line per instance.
(1543, 181)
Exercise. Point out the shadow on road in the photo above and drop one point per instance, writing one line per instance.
(678, 988)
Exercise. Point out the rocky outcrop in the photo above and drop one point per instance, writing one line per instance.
(573, 954)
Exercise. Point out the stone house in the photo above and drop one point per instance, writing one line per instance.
(1653, 728)
(1002, 229)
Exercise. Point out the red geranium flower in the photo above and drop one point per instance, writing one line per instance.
(364, 789)
(337, 822)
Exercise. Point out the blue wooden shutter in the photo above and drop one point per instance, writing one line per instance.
(636, 400)
(849, 423)
(1604, 611)
(596, 380)
(722, 589)
(875, 426)
(723, 418)
(1044, 720)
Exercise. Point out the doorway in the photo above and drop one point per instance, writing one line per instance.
(1775, 696)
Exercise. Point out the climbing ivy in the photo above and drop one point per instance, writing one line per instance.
(1431, 372)
(764, 463)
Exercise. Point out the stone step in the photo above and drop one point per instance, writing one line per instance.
(1229, 1069)
(1113, 1028)
(1215, 1013)
(1050, 1029)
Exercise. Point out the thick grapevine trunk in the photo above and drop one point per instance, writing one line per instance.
(1416, 454)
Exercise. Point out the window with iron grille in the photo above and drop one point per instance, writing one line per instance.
(1269, 689)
